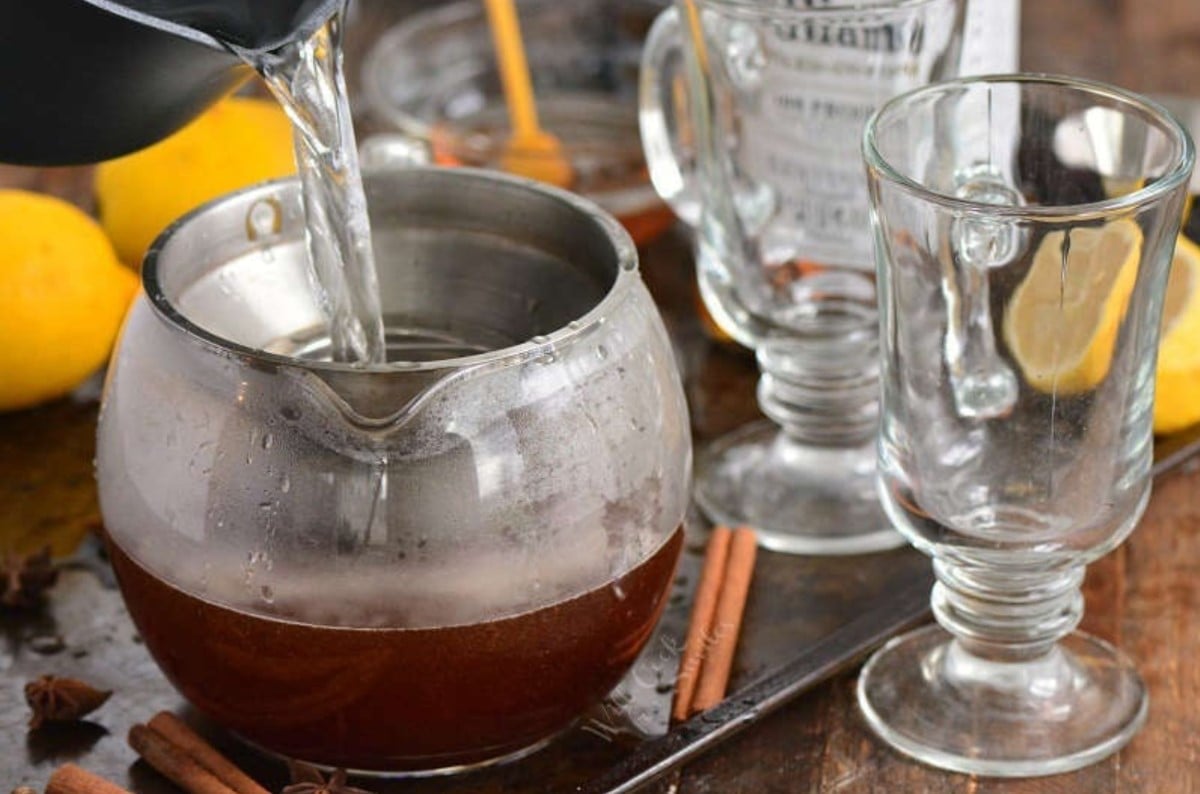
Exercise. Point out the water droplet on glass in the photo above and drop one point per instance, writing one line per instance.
(601, 352)
(268, 593)
(289, 413)
(267, 441)
(285, 483)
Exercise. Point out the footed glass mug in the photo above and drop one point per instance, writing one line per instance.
(750, 116)
(422, 566)
(1024, 228)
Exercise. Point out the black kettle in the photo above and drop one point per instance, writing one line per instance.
(87, 80)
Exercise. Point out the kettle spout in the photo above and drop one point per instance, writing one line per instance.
(245, 26)
(377, 402)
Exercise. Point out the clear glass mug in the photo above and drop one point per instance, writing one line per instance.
(421, 566)
(751, 115)
(1024, 229)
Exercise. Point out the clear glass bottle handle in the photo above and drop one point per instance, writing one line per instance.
(665, 120)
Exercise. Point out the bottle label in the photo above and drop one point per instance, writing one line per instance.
(803, 110)
(990, 37)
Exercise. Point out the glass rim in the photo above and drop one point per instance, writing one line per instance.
(841, 9)
(1176, 175)
(166, 308)
(377, 73)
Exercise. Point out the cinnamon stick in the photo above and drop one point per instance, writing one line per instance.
(173, 763)
(727, 623)
(71, 779)
(178, 733)
(704, 608)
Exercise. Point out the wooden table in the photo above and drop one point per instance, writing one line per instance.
(1145, 596)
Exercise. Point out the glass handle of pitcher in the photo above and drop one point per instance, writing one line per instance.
(664, 105)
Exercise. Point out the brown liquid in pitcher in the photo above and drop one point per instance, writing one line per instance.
(399, 698)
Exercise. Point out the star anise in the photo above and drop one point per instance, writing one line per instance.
(55, 699)
(307, 779)
(25, 577)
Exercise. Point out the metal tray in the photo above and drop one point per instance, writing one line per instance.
(806, 618)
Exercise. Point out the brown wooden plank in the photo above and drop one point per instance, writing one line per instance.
(1145, 596)
(1160, 609)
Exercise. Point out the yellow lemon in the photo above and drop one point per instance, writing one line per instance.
(1177, 380)
(63, 294)
(237, 142)
(1062, 321)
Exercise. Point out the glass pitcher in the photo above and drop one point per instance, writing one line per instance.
(426, 565)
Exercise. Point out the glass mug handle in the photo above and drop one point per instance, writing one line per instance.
(664, 118)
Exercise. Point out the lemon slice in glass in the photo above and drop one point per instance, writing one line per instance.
(1177, 381)
(1061, 324)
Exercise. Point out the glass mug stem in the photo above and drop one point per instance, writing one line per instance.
(1005, 616)
(805, 478)
(821, 392)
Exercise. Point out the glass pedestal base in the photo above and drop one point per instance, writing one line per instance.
(800, 499)
(928, 698)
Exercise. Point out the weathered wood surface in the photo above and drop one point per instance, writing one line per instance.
(1145, 596)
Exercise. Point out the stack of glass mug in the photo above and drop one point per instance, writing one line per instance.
(1018, 231)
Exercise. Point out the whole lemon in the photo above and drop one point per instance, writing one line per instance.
(63, 294)
(235, 143)
(1177, 378)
